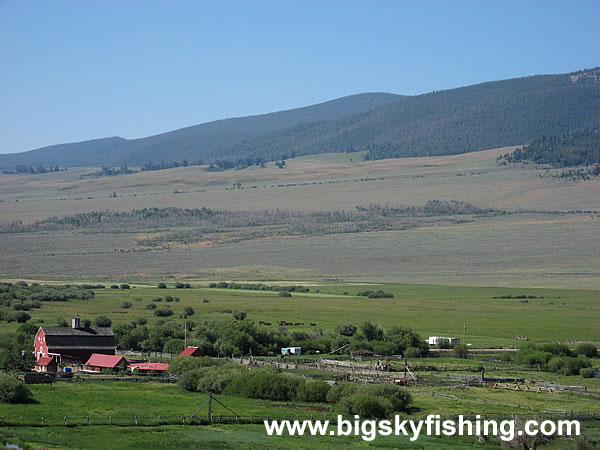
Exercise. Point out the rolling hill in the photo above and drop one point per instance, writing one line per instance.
(487, 115)
(193, 142)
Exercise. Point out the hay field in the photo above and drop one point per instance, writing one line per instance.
(533, 249)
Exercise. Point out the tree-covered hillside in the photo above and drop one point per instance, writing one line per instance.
(456, 121)
(191, 143)
(487, 115)
(581, 148)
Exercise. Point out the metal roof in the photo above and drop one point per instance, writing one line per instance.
(149, 366)
(108, 361)
(191, 351)
(68, 331)
(44, 361)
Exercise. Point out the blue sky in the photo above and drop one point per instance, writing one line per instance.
(73, 70)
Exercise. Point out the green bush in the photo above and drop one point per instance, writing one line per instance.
(13, 391)
(556, 349)
(102, 321)
(531, 357)
(126, 305)
(370, 406)
(284, 294)
(124, 286)
(345, 329)
(573, 366)
(162, 286)
(587, 372)
(337, 392)
(314, 391)
(412, 352)
(398, 397)
(184, 364)
(173, 345)
(460, 351)
(588, 350)
(150, 306)
(265, 384)
(163, 312)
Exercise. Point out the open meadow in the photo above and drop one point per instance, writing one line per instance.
(546, 234)
(513, 262)
(548, 316)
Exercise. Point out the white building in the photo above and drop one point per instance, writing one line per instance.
(435, 340)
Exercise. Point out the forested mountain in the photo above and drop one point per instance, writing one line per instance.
(487, 115)
(191, 143)
(580, 148)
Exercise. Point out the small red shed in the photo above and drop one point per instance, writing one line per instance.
(191, 351)
(46, 364)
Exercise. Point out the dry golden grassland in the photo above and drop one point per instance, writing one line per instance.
(533, 249)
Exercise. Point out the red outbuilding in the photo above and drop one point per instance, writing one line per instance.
(148, 367)
(98, 362)
(46, 364)
(191, 351)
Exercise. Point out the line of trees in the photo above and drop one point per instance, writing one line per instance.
(201, 224)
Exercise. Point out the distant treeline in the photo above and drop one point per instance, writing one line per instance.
(219, 220)
(580, 148)
(169, 165)
(257, 287)
(30, 169)
(185, 226)
(109, 172)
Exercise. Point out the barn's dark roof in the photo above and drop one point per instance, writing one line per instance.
(63, 338)
(68, 331)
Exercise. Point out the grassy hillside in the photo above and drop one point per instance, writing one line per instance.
(191, 142)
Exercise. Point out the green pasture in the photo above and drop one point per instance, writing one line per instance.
(555, 315)
(121, 399)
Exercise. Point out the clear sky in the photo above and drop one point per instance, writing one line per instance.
(77, 70)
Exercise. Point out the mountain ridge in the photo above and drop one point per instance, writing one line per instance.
(469, 118)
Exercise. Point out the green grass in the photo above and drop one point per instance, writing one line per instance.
(152, 399)
(431, 310)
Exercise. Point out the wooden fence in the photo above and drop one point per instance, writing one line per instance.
(155, 421)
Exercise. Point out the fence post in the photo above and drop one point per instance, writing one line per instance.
(159, 420)
(42, 421)
(88, 419)
(65, 422)
(136, 419)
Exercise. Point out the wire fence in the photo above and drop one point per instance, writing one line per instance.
(155, 421)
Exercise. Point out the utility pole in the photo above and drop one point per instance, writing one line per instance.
(210, 407)
(185, 333)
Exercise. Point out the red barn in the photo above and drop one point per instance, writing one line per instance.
(191, 351)
(74, 343)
